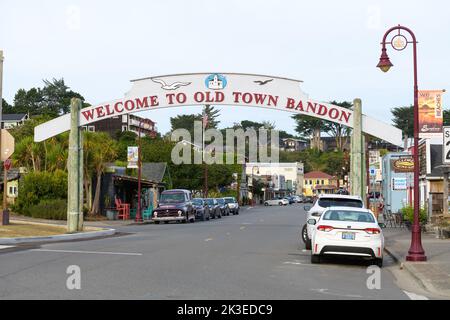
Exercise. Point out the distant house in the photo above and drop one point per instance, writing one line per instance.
(126, 122)
(12, 185)
(318, 182)
(291, 144)
(12, 120)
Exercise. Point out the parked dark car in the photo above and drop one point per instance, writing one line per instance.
(174, 205)
(233, 205)
(214, 209)
(224, 209)
(290, 199)
(201, 209)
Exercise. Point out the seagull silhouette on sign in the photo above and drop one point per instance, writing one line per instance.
(261, 82)
(172, 86)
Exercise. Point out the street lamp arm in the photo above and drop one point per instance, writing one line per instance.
(399, 27)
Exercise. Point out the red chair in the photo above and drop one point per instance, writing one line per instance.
(123, 209)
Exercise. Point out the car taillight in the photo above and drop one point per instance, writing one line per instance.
(372, 230)
(325, 228)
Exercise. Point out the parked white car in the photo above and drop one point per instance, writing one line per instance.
(322, 203)
(347, 231)
(276, 202)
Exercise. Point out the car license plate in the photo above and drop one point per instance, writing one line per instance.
(348, 235)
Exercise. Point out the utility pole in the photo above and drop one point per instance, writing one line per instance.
(1, 126)
(138, 212)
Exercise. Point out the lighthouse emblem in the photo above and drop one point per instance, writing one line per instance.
(215, 81)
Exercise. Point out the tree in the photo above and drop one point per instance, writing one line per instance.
(185, 121)
(53, 99)
(309, 127)
(337, 130)
(99, 148)
(6, 107)
(404, 120)
(212, 114)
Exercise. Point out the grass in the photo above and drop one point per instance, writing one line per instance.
(15, 230)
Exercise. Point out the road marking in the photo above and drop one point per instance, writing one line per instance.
(6, 247)
(246, 223)
(414, 296)
(208, 239)
(326, 291)
(89, 252)
(242, 228)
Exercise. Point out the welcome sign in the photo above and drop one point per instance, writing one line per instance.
(231, 90)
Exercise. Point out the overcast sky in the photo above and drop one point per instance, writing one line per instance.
(333, 46)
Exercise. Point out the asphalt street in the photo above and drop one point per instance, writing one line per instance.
(255, 255)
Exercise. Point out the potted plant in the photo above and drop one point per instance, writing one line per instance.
(443, 229)
(111, 213)
(408, 216)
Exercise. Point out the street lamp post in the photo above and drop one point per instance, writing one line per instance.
(399, 42)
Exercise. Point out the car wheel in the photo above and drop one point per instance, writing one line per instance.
(280, 203)
(203, 216)
(186, 219)
(156, 222)
(305, 233)
(266, 204)
(219, 215)
(237, 212)
(166, 222)
(315, 258)
(378, 262)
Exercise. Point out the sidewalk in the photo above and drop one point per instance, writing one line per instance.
(99, 224)
(434, 274)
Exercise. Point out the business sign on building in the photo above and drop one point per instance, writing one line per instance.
(133, 157)
(405, 164)
(399, 183)
(430, 113)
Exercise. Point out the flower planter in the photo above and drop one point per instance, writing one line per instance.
(111, 214)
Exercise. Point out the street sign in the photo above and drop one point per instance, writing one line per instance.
(7, 145)
(446, 146)
(7, 164)
(373, 171)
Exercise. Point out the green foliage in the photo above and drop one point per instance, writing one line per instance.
(330, 162)
(52, 100)
(38, 186)
(212, 114)
(55, 209)
(408, 214)
(404, 119)
(185, 121)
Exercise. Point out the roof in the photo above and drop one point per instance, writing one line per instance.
(154, 171)
(317, 174)
(13, 116)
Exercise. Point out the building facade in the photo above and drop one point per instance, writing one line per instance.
(127, 122)
(279, 179)
(318, 182)
(13, 120)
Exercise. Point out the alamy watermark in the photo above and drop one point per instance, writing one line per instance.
(238, 146)
(73, 281)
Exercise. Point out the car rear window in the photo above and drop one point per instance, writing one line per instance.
(346, 215)
(220, 201)
(210, 202)
(338, 202)
(197, 202)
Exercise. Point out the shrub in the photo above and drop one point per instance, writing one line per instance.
(38, 186)
(55, 209)
(408, 214)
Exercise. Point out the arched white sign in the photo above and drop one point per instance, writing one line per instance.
(233, 90)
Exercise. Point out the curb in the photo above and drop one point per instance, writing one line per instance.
(405, 266)
(59, 237)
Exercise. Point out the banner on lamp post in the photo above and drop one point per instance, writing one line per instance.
(133, 157)
(430, 113)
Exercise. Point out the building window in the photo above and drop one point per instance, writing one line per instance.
(124, 128)
(317, 181)
(322, 182)
(91, 128)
